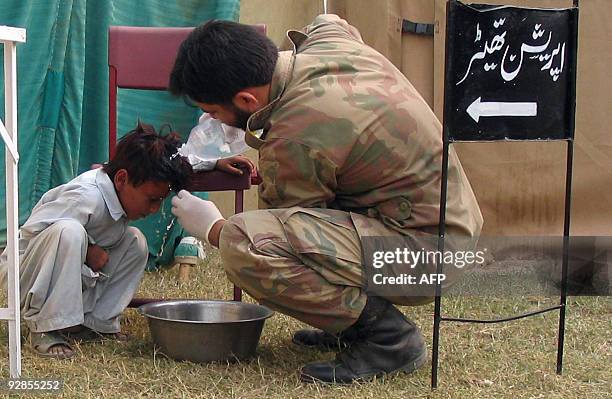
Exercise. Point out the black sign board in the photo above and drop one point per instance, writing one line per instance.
(510, 73)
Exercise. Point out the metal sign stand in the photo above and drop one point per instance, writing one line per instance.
(449, 135)
(9, 37)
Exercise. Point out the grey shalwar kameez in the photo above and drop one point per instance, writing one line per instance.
(58, 289)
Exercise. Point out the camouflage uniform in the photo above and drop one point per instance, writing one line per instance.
(348, 149)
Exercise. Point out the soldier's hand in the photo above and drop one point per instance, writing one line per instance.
(232, 164)
(196, 215)
(96, 257)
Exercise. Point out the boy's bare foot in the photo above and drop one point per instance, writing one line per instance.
(51, 344)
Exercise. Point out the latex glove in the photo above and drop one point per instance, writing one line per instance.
(196, 215)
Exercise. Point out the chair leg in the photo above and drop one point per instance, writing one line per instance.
(184, 271)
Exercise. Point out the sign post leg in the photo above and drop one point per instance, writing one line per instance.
(566, 245)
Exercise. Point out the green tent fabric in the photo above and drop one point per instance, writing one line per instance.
(63, 91)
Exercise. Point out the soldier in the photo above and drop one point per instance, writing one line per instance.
(347, 149)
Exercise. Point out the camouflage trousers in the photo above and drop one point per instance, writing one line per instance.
(305, 263)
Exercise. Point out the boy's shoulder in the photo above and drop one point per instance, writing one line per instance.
(84, 183)
(87, 178)
(84, 188)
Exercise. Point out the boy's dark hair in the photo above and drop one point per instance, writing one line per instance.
(149, 156)
(220, 58)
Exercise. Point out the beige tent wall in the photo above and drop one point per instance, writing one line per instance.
(520, 186)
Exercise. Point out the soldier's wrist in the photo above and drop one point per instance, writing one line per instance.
(215, 233)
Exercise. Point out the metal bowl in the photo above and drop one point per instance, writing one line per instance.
(205, 331)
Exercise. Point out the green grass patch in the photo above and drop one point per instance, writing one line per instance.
(509, 360)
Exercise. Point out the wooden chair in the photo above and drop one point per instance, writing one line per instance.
(142, 58)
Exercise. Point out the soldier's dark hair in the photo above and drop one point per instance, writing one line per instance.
(220, 58)
(149, 156)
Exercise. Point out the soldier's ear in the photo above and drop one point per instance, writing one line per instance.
(247, 100)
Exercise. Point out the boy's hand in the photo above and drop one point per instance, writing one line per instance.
(96, 258)
(196, 215)
(230, 165)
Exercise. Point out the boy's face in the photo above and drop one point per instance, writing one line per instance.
(142, 200)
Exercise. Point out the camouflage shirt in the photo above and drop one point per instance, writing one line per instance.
(346, 130)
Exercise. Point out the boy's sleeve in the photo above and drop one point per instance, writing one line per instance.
(70, 205)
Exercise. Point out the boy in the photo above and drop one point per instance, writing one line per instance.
(80, 262)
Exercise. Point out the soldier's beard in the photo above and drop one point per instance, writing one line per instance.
(240, 117)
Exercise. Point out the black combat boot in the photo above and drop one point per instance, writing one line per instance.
(321, 340)
(386, 342)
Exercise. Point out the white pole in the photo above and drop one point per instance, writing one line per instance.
(12, 208)
(324, 6)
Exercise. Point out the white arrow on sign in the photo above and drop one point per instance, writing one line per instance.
(478, 109)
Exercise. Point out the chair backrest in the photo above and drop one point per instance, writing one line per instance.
(141, 58)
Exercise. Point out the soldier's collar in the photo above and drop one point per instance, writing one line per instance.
(282, 74)
(258, 120)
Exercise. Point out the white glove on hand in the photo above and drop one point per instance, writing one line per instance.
(196, 215)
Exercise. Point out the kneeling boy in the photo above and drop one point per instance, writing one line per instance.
(80, 262)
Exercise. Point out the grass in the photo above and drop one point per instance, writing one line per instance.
(510, 360)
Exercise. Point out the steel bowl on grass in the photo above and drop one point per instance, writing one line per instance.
(205, 331)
